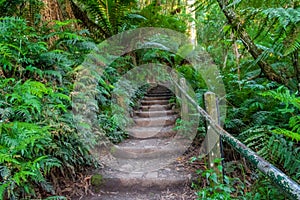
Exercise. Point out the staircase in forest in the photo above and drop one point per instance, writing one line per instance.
(144, 166)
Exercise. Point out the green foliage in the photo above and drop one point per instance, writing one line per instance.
(261, 116)
(264, 189)
(37, 132)
(154, 18)
(273, 27)
(25, 53)
(23, 162)
(104, 18)
(294, 134)
(284, 95)
(215, 186)
(18, 52)
(291, 105)
(30, 151)
(287, 20)
(21, 8)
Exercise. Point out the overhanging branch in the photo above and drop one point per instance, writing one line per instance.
(255, 52)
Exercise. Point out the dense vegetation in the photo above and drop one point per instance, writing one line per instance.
(255, 45)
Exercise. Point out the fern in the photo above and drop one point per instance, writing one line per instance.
(105, 17)
(287, 133)
(284, 152)
(274, 148)
(21, 157)
(284, 16)
(37, 130)
(256, 138)
(285, 96)
(294, 133)
(288, 19)
(295, 123)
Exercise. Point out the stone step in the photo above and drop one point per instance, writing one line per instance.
(153, 102)
(149, 159)
(149, 148)
(138, 132)
(159, 92)
(168, 194)
(156, 107)
(155, 113)
(157, 98)
(158, 89)
(165, 94)
(156, 121)
(160, 179)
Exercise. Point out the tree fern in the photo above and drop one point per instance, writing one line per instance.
(104, 17)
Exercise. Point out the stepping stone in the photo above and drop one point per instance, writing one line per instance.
(157, 102)
(156, 121)
(155, 113)
(151, 148)
(170, 176)
(156, 107)
(158, 97)
(151, 132)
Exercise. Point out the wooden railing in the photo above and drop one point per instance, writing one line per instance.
(215, 131)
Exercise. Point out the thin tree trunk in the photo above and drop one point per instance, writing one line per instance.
(297, 69)
(266, 69)
(192, 25)
(237, 58)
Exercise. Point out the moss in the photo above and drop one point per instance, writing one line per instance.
(113, 149)
(97, 180)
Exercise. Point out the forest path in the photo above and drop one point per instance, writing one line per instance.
(148, 165)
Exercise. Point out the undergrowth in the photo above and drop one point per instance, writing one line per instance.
(38, 140)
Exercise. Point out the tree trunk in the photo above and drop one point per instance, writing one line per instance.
(57, 10)
(266, 69)
(51, 11)
(192, 25)
(297, 69)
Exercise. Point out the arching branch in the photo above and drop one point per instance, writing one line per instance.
(266, 69)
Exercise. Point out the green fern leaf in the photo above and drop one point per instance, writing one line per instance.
(290, 134)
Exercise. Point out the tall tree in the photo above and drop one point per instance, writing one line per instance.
(235, 23)
(270, 35)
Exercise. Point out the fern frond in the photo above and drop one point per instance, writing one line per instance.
(285, 96)
(295, 123)
(35, 88)
(290, 134)
(284, 152)
(6, 113)
(293, 44)
(285, 16)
